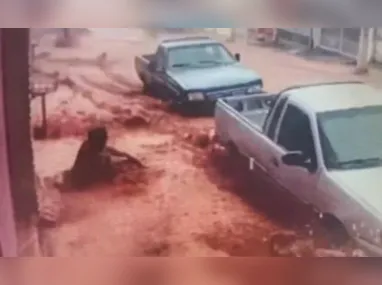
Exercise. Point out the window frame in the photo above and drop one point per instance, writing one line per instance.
(199, 45)
(282, 101)
(160, 58)
(315, 159)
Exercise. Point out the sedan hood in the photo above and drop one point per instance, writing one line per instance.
(213, 77)
(364, 184)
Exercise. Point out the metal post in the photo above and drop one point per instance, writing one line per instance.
(311, 41)
(40, 88)
(32, 55)
(232, 35)
(341, 40)
(44, 126)
(362, 57)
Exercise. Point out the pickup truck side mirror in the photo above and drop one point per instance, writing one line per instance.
(237, 56)
(294, 158)
(297, 158)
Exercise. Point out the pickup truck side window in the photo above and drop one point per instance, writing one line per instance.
(276, 117)
(296, 133)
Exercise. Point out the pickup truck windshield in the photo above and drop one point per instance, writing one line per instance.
(199, 56)
(352, 138)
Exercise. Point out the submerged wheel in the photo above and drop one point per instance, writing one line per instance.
(335, 230)
(232, 149)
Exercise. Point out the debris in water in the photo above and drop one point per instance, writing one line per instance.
(49, 201)
(202, 140)
(358, 253)
(212, 135)
(320, 252)
(135, 121)
(187, 136)
(288, 244)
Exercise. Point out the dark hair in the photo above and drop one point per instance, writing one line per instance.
(97, 138)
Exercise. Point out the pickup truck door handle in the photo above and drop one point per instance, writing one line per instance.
(275, 161)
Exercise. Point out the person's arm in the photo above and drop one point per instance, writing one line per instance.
(114, 152)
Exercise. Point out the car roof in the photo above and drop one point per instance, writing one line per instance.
(334, 96)
(187, 42)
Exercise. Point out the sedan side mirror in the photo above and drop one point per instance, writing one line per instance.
(237, 56)
(294, 158)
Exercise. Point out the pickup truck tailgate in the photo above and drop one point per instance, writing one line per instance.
(240, 120)
(254, 108)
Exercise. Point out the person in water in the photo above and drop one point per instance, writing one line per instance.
(93, 163)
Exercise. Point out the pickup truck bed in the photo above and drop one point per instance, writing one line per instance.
(254, 109)
(257, 117)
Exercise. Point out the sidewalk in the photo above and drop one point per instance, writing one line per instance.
(281, 69)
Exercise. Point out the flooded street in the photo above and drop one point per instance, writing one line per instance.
(189, 200)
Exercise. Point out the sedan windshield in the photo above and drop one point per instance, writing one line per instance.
(199, 56)
(351, 138)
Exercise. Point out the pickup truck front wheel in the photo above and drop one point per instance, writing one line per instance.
(232, 149)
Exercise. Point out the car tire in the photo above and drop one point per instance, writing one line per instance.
(335, 230)
(232, 149)
(179, 107)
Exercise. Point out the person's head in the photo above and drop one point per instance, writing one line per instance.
(97, 138)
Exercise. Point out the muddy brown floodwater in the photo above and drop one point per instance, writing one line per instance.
(176, 208)
(191, 200)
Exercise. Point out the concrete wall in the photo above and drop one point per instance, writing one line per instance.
(16, 123)
(8, 240)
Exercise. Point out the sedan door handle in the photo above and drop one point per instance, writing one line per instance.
(275, 162)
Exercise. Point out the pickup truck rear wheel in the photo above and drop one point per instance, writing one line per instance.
(335, 230)
(232, 149)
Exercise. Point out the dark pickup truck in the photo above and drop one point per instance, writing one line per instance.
(193, 71)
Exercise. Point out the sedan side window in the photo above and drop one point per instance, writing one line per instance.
(296, 133)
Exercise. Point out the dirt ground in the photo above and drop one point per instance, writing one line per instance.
(190, 201)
